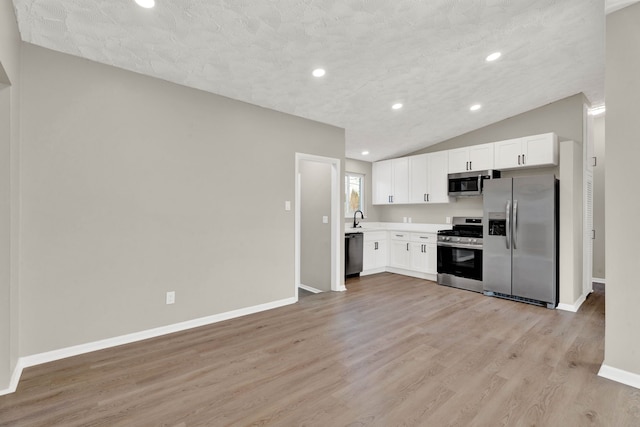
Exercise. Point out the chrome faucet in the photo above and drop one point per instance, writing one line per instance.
(355, 223)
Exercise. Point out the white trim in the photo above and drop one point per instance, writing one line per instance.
(620, 376)
(373, 271)
(576, 305)
(412, 273)
(598, 280)
(310, 289)
(15, 379)
(63, 353)
(337, 281)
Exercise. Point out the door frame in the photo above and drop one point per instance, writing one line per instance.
(337, 281)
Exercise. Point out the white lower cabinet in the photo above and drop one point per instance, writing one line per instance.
(415, 252)
(375, 257)
(409, 253)
(400, 255)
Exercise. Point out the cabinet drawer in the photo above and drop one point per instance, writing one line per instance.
(399, 235)
(423, 237)
(371, 236)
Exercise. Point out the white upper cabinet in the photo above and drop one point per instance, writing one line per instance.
(470, 159)
(529, 151)
(391, 181)
(428, 178)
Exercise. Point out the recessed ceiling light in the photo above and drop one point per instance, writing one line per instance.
(493, 56)
(365, 153)
(396, 106)
(475, 107)
(147, 4)
(319, 72)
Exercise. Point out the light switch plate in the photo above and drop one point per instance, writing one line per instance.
(325, 219)
(171, 297)
(287, 205)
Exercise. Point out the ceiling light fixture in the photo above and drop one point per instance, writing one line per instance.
(319, 72)
(597, 110)
(365, 153)
(147, 4)
(475, 107)
(494, 56)
(396, 106)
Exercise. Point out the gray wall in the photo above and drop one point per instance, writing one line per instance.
(599, 198)
(564, 117)
(315, 236)
(622, 88)
(364, 168)
(9, 182)
(133, 186)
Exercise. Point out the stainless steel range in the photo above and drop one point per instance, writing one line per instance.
(460, 254)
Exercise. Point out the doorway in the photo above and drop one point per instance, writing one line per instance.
(317, 224)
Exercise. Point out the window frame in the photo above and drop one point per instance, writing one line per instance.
(361, 176)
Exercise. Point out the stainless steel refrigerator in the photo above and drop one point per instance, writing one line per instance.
(520, 251)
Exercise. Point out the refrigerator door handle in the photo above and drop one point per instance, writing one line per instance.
(515, 222)
(508, 227)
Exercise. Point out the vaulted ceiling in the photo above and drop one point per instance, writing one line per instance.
(427, 55)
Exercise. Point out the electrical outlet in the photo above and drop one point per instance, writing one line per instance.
(171, 297)
(409, 219)
(448, 219)
(404, 219)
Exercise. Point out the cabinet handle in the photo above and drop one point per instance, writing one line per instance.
(470, 165)
(399, 235)
(467, 166)
(375, 246)
(407, 246)
(391, 199)
(523, 162)
(425, 197)
(518, 158)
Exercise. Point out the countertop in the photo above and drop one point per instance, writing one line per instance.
(395, 226)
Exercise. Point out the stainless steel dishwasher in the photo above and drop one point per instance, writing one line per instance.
(353, 244)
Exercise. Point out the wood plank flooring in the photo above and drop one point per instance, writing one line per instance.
(391, 351)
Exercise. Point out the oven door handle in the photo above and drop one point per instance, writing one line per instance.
(460, 245)
(508, 227)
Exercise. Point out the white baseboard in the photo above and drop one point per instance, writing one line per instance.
(620, 376)
(50, 356)
(15, 379)
(598, 280)
(373, 271)
(309, 288)
(411, 273)
(576, 305)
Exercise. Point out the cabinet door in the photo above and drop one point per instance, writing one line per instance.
(400, 254)
(400, 180)
(418, 171)
(481, 157)
(382, 256)
(540, 150)
(459, 160)
(382, 179)
(432, 259)
(508, 154)
(369, 256)
(419, 257)
(437, 170)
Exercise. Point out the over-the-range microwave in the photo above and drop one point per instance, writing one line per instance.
(469, 183)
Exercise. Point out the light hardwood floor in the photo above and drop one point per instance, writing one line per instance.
(392, 350)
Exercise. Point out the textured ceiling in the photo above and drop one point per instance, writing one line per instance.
(429, 55)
